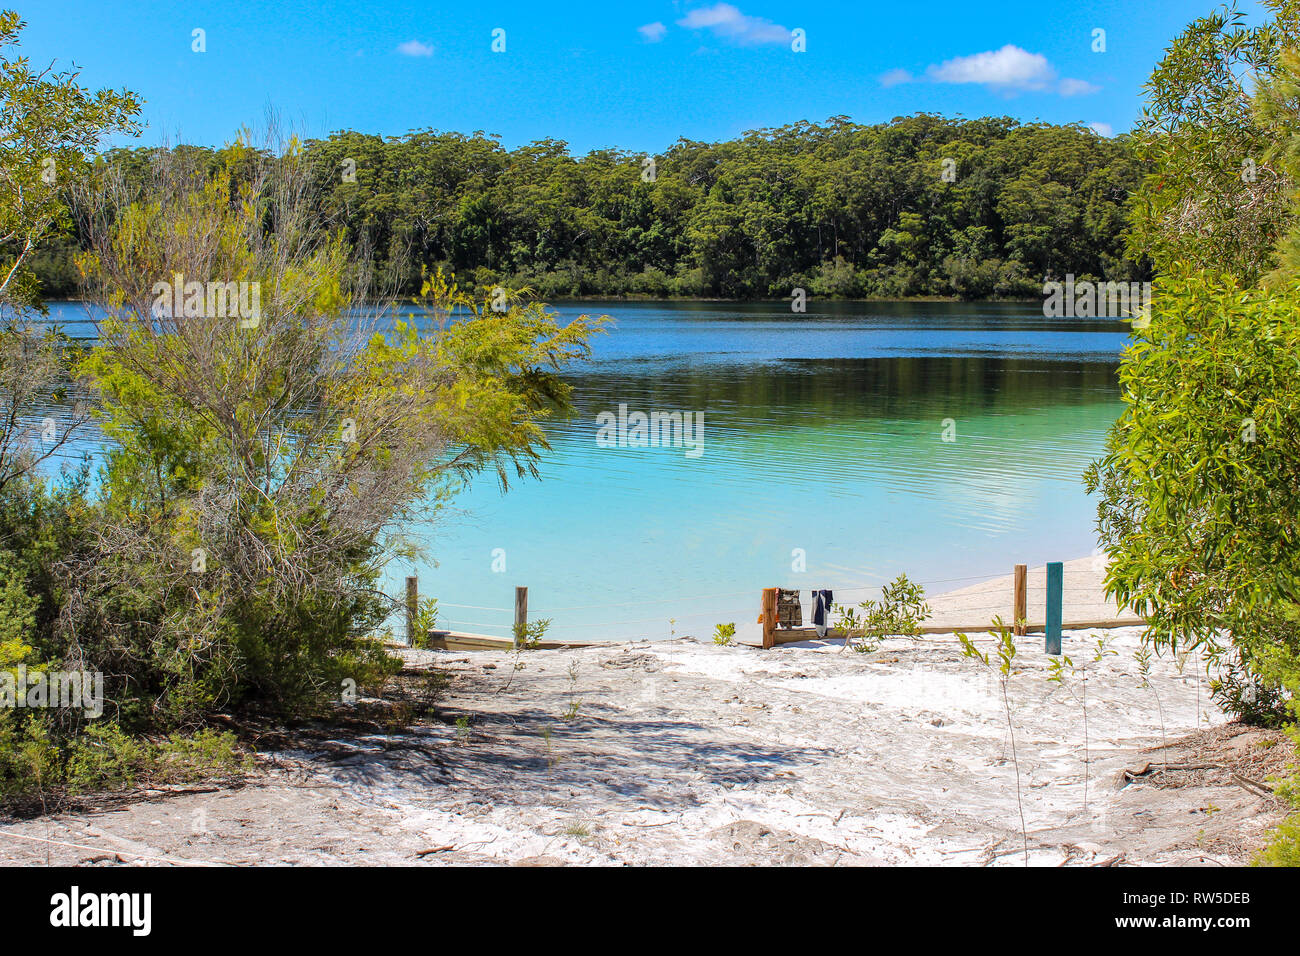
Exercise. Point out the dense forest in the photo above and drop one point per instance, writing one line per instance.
(922, 205)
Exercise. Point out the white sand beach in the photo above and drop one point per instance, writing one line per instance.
(683, 752)
(1083, 597)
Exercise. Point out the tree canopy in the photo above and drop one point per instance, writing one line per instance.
(49, 123)
(921, 205)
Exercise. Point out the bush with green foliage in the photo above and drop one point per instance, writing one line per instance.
(261, 475)
(256, 475)
(1283, 846)
(426, 620)
(39, 761)
(900, 611)
(1200, 485)
(1213, 195)
(49, 123)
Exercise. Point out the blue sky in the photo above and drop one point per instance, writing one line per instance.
(636, 75)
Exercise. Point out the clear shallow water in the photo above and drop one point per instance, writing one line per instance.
(822, 432)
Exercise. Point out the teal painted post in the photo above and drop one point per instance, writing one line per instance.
(1055, 586)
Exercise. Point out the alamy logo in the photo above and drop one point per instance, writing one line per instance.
(653, 430)
(208, 300)
(74, 908)
(72, 690)
(1111, 300)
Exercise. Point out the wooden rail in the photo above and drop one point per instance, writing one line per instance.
(774, 636)
(769, 617)
(1051, 628)
(460, 641)
(521, 616)
(795, 634)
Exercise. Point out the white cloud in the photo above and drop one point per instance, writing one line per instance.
(652, 32)
(1078, 88)
(414, 48)
(728, 23)
(895, 77)
(1008, 69)
(1102, 129)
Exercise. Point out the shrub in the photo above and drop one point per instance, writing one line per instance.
(30, 760)
(651, 281)
(838, 279)
(260, 474)
(1243, 693)
(1283, 846)
(104, 756)
(691, 283)
(426, 620)
(901, 611)
(41, 761)
(1201, 484)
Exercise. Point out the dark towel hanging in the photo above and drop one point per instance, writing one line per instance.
(821, 608)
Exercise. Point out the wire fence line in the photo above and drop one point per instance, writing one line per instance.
(1078, 601)
(705, 597)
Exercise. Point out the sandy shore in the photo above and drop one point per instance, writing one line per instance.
(687, 753)
(1083, 598)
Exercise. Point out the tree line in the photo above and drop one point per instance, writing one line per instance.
(919, 206)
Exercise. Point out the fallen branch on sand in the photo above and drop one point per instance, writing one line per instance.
(435, 849)
(647, 826)
(1148, 769)
(1255, 788)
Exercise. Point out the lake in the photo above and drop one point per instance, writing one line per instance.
(838, 448)
(823, 464)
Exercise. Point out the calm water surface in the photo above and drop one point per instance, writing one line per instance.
(824, 465)
(823, 441)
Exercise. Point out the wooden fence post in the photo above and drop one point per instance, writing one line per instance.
(1020, 601)
(412, 608)
(769, 617)
(1055, 586)
(521, 617)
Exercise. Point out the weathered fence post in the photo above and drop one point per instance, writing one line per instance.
(769, 617)
(412, 608)
(1055, 586)
(521, 617)
(1020, 601)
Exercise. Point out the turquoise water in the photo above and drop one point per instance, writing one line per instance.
(822, 464)
(823, 436)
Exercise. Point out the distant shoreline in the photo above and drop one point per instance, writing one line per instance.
(643, 297)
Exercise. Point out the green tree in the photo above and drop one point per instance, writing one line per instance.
(48, 123)
(1201, 474)
(1201, 480)
(838, 207)
(1212, 197)
(263, 467)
